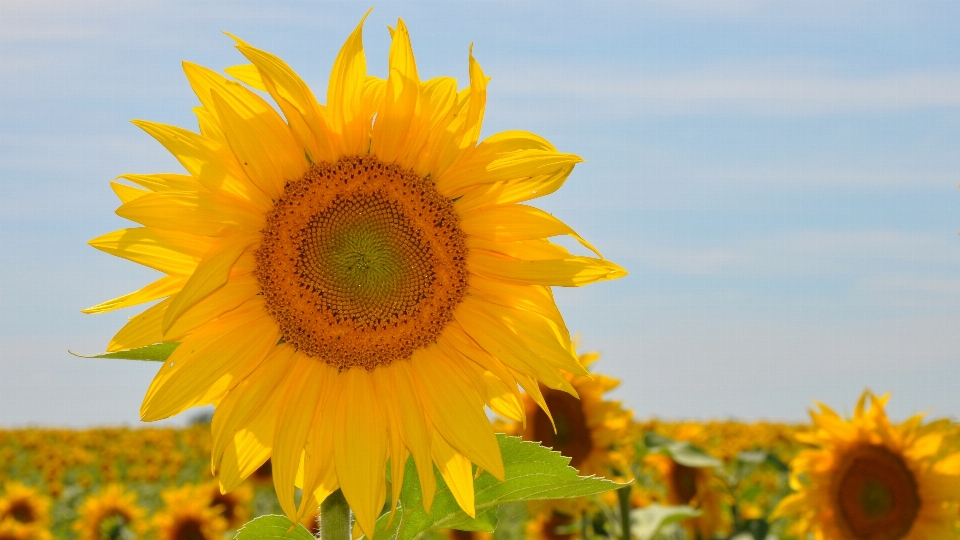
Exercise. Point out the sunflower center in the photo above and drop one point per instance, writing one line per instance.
(572, 437)
(684, 481)
(23, 512)
(361, 262)
(877, 495)
(189, 529)
(114, 527)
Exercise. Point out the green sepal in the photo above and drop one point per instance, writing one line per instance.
(158, 352)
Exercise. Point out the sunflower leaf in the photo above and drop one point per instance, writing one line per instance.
(272, 528)
(532, 472)
(158, 352)
(647, 522)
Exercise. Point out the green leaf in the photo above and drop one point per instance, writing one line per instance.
(760, 457)
(647, 522)
(682, 452)
(158, 352)
(532, 472)
(272, 528)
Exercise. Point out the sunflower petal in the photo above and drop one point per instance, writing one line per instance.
(170, 252)
(160, 288)
(199, 213)
(248, 74)
(211, 274)
(360, 447)
(513, 222)
(165, 182)
(397, 118)
(345, 91)
(457, 472)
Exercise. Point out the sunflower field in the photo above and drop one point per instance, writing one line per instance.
(678, 480)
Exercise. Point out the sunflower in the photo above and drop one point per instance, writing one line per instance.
(24, 505)
(112, 514)
(188, 515)
(13, 530)
(353, 283)
(454, 534)
(697, 487)
(233, 506)
(591, 431)
(868, 479)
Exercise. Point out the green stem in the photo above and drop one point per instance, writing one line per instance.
(623, 494)
(335, 519)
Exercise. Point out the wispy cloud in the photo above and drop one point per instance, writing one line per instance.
(736, 91)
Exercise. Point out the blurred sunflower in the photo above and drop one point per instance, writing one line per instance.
(454, 534)
(188, 515)
(871, 480)
(592, 432)
(233, 506)
(552, 525)
(697, 487)
(13, 530)
(112, 514)
(351, 284)
(25, 505)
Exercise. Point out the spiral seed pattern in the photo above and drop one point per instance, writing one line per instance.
(361, 262)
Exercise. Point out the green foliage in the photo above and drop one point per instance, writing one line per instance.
(682, 452)
(273, 528)
(158, 352)
(532, 472)
(647, 522)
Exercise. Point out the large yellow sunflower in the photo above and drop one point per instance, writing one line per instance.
(106, 515)
(871, 480)
(352, 283)
(188, 515)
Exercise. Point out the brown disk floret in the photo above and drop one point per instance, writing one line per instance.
(362, 262)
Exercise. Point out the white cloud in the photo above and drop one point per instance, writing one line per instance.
(815, 252)
(756, 90)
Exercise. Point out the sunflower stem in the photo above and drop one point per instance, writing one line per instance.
(335, 519)
(623, 494)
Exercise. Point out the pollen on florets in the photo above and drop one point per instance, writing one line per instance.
(361, 262)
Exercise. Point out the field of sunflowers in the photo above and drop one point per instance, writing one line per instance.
(683, 480)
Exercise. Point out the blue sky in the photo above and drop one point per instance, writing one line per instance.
(780, 178)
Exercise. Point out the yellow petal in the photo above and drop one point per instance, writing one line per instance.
(573, 271)
(513, 222)
(344, 94)
(250, 447)
(127, 193)
(165, 182)
(247, 399)
(209, 125)
(503, 343)
(506, 167)
(307, 121)
(512, 191)
(247, 74)
(235, 292)
(210, 162)
(319, 470)
(211, 274)
(462, 134)
(200, 213)
(141, 330)
(398, 116)
(211, 360)
(360, 447)
(414, 427)
(170, 252)
(457, 472)
(270, 157)
(456, 409)
(164, 286)
(296, 416)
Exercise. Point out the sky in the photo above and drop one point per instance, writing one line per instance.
(779, 178)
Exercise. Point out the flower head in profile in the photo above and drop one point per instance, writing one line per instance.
(869, 479)
(350, 282)
(110, 514)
